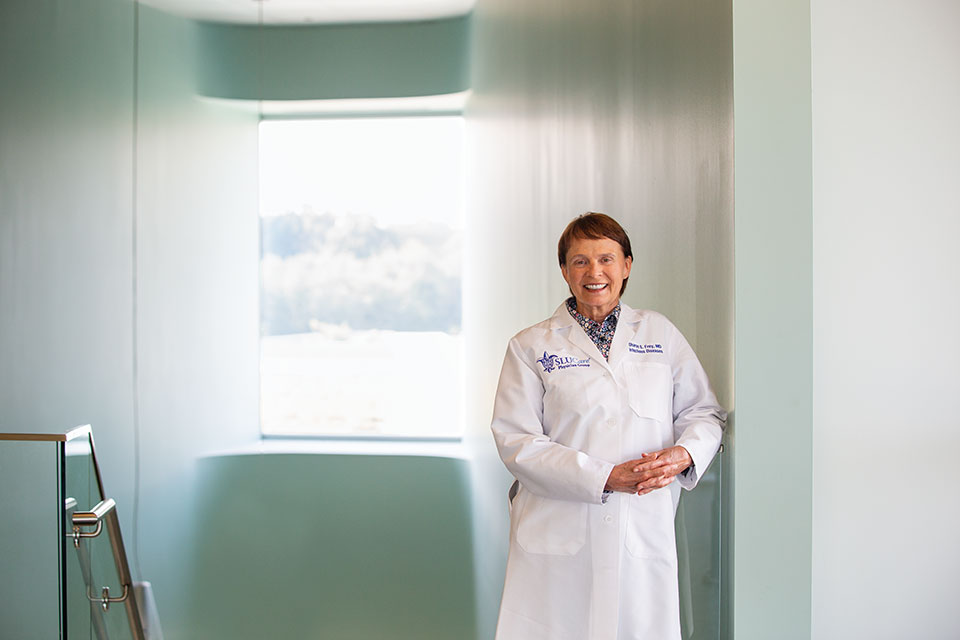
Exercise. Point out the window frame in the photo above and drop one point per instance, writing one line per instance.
(450, 106)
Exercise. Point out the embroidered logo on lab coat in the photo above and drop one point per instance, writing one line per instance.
(644, 348)
(551, 361)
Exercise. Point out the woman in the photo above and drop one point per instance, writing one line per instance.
(601, 412)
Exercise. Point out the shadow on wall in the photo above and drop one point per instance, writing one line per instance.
(333, 546)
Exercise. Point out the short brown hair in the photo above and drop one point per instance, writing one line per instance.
(594, 226)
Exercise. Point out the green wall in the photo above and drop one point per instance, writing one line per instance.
(771, 443)
(103, 318)
(352, 547)
(129, 300)
(66, 166)
(66, 190)
(197, 288)
(377, 60)
(30, 539)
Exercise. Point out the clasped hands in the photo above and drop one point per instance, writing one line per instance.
(650, 472)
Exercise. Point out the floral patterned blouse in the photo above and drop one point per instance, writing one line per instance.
(601, 333)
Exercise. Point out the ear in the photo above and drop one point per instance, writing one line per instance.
(563, 270)
(629, 262)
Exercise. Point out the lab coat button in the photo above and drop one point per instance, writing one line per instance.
(611, 422)
(608, 518)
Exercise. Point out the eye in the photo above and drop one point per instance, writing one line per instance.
(606, 259)
(579, 262)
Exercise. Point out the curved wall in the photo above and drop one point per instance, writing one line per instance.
(352, 547)
(380, 60)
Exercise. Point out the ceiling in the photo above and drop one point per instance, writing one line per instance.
(301, 12)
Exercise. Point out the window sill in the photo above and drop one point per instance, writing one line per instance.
(452, 448)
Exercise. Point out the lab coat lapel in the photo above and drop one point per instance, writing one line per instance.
(626, 328)
(563, 321)
(579, 338)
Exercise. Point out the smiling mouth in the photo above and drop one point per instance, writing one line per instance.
(594, 287)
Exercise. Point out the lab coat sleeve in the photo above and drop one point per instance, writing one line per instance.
(698, 419)
(543, 467)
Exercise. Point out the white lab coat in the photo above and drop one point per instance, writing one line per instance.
(579, 569)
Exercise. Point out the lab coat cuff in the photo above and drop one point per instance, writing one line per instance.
(604, 473)
(702, 453)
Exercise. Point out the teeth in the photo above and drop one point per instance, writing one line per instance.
(595, 287)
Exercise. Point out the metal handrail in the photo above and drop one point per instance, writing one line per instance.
(105, 600)
(95, 515)
(83, 557)
(104, 514)
(78, 525)
(92, 518)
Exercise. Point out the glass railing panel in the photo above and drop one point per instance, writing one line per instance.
(108, 583)
(80, 476)
(100, 602)
(84, 618)
(30, 598)
(699, 534)
(82, 493)
(62, 543)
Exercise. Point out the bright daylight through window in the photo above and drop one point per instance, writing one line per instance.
(360, 303)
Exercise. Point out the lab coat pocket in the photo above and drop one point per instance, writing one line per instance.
(650, 528)
(650, 390)
(552, 527)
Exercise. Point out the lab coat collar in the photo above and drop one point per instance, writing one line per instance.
(626, 327)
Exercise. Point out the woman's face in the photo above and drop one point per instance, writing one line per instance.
(595, 271)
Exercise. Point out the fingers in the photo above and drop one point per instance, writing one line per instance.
(665, 468)
(652, 471)
(653, 479)
(622, 478)
(650, 463)
(654, 459)
(659, 483)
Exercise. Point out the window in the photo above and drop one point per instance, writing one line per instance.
(360, 269)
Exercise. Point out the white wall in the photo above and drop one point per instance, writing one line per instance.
(886, 99)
